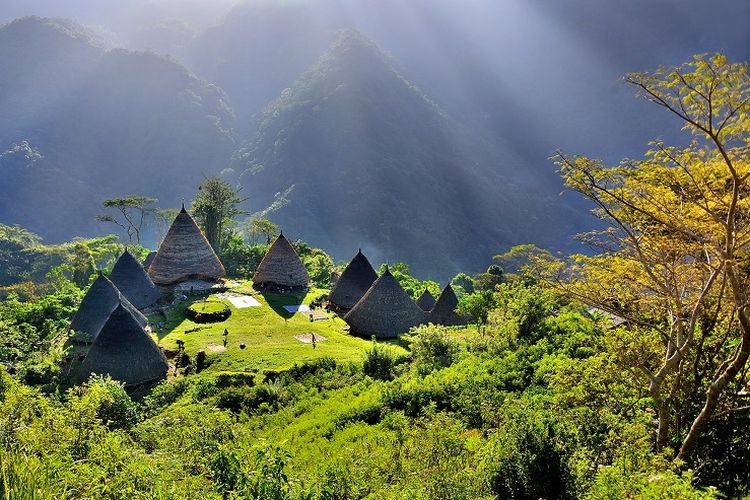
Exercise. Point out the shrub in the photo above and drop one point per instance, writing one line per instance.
(526, 457)
(113, 406)
(433, 349)
(166, 393)
(379, 362)
(233, 379)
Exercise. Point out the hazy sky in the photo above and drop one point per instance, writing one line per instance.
(539, 74)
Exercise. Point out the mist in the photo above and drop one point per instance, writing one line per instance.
(515, 80)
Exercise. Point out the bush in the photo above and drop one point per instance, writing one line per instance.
(379, 362)
(525, 459)
(433, 349)
(113, 406)
(265, 398)
(166, 393)
(235, 379)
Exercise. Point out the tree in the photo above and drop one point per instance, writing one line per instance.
(523, 261)
(133, 214)
(413, 286)
(163, 218)
(477, 305)
(489, 279)
(260, 228)
(463, 281)
(82, 265)
(673, 259)
(214, 209)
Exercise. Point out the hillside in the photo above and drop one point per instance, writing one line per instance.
(369, 160)
(260, 49)
(81, 123)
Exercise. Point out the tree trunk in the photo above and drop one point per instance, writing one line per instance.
(662, 433)
(713, 394)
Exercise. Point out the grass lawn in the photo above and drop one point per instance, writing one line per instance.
(268, 333)
(208, 306)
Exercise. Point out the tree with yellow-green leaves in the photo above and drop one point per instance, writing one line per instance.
(673, 259)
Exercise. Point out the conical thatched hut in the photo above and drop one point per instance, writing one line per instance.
(357, 278)
(133, 282)
(101, 299)
(148, 260)
(386, 310)
(426, 301)
(124, 351)
(185, 254)
(281, 268)
(443, 313)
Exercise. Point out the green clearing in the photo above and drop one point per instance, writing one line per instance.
(268, 333)
(209, 306)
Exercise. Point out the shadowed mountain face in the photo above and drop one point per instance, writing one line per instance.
(80, 124)
(372, 162)
(362, 154)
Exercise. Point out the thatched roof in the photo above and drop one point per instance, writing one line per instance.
(443, 313)
(185, 254)
(148, 260)
(101, 299)
(386, 310)
(281, 267)
(426, 301)
(133, 282)
(124, 351)
(357, 278)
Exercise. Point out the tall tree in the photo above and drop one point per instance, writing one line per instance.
(163, 218)
(133, 213)
(215, 207)
(261, 228)
(673, 260)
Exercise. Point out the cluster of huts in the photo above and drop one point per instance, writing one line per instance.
(372, 305)
(110, 329)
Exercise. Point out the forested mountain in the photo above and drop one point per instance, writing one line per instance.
(81, 123)
(366, 159)
(260, 49)
(501, 86)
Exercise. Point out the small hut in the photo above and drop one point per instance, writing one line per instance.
(185, 254)
(124, 351)
(386, 310)
(102, 298)
(426, 301)
(281, 268)
(357, 278)
(133, 282)
(443, 312)
(148, 260)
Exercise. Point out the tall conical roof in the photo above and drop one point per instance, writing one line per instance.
(281, 266)
(443, 313)
(185, 254)
(426, 301)
(124, 351)
(357, 278)
(386, 310)
(148, 260)
(133, 282)
(102, 298)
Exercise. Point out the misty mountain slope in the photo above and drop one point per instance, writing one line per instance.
(374, 163)
(259, 49)
(100, 123)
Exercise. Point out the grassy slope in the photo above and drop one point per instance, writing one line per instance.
(267, 331)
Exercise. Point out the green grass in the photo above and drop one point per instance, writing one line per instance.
(268, 333)
(208, 307)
